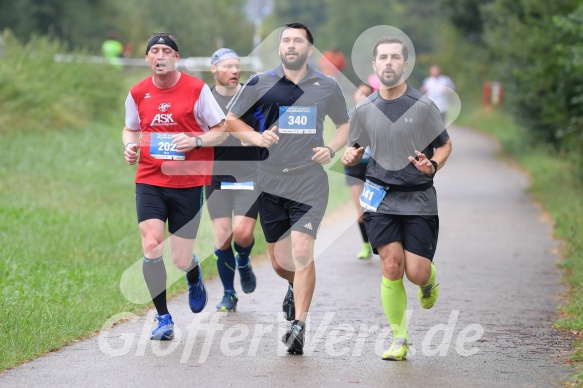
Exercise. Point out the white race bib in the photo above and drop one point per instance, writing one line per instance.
(297, 120)
(237, 185)
(161, 147)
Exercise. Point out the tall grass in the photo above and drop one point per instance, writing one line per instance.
(40, 93)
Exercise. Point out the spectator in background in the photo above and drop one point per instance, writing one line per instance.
(438, 87)
(355, 176)
(332, 62)
(374, 82)
(112, 49)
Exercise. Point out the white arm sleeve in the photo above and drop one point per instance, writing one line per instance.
(132, 117)
(207, 111)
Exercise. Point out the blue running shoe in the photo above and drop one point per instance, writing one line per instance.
(248, 279)
(229, 302)
(165, 329)
(197, 295)
(289, 304)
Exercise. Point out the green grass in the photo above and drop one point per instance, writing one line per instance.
(556, 184)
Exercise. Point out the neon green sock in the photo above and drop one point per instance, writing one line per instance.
(432, 277)
(394, 300)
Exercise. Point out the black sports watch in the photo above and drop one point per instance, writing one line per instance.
(198, 142)
(332, 153)
(434, 166)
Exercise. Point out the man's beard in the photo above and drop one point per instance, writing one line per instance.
(297, 64)
(390, 83)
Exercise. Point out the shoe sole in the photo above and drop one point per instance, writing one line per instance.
(226, 310)
(295, 347)
(248, 292)
(163, 337)
(392, 358)
(295, 350)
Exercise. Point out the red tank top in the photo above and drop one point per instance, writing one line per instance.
(163, 112)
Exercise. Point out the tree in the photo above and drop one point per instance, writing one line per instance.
(200, 25)
(528, 48)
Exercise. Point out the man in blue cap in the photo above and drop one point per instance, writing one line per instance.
(232, 196)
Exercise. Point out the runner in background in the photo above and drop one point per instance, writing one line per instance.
(438, 88)
(332, 62)
(232, 196)
(112, 50)
(355, 176)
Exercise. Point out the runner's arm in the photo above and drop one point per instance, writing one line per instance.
(442, 153)
(131, 141)
(214, 136)
(322, 154)
(247, 135)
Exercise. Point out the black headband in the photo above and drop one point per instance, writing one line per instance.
(161, 39)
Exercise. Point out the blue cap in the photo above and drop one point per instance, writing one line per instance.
(222, 54)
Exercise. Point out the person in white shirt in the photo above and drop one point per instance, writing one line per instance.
(438, 87)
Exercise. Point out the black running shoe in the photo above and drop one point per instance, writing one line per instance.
(289, 305)
(294, 338)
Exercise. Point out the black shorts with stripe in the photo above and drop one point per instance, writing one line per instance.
(418, 234)
(295, 201)
(180, 207)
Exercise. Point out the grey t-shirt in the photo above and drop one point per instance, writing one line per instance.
(394, 129)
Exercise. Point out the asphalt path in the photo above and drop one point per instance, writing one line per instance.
(492, 325)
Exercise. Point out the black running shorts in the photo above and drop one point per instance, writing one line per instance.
(418, 234)
(226, 203)
(292, 201)
(180, 207)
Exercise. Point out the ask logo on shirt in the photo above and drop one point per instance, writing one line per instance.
(162, 119)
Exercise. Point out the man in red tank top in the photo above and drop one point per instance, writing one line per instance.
(172, 120)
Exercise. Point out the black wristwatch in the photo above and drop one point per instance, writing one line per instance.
(434, 166)
(332, 153)
(198, 142)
